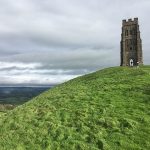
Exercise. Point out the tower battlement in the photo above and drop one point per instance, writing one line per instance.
(130, 21)
(131, 43)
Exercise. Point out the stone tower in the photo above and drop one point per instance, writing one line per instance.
(131, 43)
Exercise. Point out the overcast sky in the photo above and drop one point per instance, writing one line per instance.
(52, 41)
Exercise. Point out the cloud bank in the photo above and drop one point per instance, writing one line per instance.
(49, 42)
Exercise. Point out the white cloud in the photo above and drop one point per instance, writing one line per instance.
(19, 65)
(33, 74)
(41, 38)
(36, 79)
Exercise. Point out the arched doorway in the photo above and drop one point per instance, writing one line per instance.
(131, 62)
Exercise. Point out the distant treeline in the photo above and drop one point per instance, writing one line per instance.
(19, 95)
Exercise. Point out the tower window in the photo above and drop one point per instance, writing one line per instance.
(126, 33)
(133, 32)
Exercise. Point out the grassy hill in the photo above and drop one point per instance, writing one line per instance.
(108, 109)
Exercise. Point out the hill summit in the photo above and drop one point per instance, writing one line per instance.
(108, 109)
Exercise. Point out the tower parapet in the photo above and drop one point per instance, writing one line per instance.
(130, 21)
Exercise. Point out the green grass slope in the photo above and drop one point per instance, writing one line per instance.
(108, 109)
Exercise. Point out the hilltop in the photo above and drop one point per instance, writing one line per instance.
(108, 109)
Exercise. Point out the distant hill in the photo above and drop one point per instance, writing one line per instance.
(19, 95)
(108, 109)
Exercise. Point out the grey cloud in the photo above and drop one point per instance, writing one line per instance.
(73, 36)
(67, 59)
